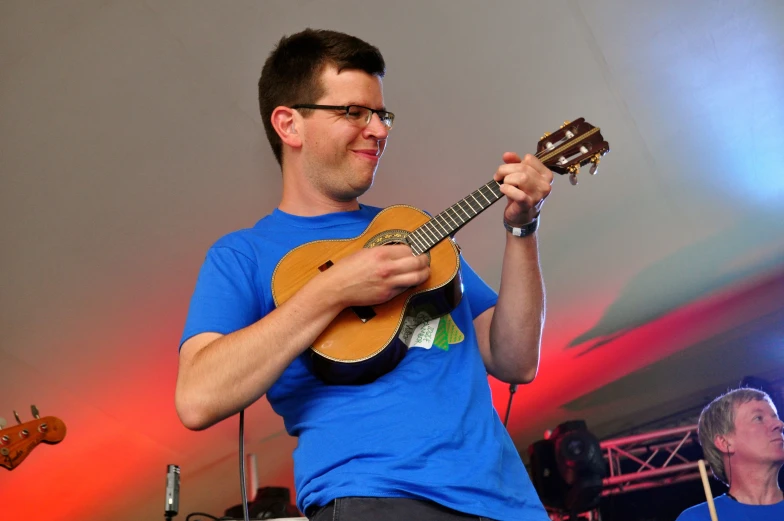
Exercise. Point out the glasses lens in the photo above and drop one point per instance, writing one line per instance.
(363, 115)
(359, 114)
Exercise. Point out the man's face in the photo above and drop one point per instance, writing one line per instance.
(341, 156)
(758, 434)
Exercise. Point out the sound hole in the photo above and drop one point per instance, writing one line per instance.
(364, 313)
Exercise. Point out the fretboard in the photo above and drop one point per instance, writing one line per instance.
(453, 218)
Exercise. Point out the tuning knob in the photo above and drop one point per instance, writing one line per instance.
(34, 410)
(3, 423)
(546, 134)
(594, 164)
(565, 124)
(573, 171)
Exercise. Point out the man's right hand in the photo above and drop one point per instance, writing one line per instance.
(375, 275)
(220, 375)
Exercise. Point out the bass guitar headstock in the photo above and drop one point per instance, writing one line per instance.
(18, 441)
(572, 146)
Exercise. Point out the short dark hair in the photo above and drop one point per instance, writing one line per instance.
(293, 70)
(718, 419)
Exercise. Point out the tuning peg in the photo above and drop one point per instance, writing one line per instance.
(546, 134)
(3, 423)
(573, 171)
(16, 415)
(594, 164)
(565, 124)
(34, 410)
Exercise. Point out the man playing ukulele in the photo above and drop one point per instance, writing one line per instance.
(422, 441)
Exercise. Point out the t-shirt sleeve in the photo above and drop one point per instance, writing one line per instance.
(481, 297)
(226, 295)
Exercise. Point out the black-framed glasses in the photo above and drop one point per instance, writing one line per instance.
(355, 113)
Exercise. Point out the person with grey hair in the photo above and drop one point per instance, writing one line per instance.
(741, 436)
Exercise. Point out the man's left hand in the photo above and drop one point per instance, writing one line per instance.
(526, 182)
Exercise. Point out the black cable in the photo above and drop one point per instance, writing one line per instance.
(512, 390)
(189, 516)
(243, 488)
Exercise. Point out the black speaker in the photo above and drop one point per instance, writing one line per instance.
(568, 468)
(545, 476)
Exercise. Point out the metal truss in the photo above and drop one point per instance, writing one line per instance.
(649, 460)
(592, 515)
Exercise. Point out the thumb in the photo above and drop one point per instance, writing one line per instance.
(511, 157)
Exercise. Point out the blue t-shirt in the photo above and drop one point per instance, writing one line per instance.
(727, 509)
(426, 430)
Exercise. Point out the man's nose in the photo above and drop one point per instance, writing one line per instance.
(376, 127)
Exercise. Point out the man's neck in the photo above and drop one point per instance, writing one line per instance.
(756, 486)
(300, 198)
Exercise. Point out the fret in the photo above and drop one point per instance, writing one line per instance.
(448, 223)
(477, 202)
(463, 204)
(444, 230)
(446, 212)
(418, 242)
(428, 234)
(423, 242)
(496, 194)
(489, 202)
(434, 230)
(462, 221)
(455, 207)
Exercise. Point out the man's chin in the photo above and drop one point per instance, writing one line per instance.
(360, 186)
(356, 193)
(350, 193)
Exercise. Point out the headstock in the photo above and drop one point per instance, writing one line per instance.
(570, 147)
(18, 441)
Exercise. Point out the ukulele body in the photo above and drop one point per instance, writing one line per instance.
(363, 343)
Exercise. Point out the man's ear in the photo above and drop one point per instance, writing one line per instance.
(722, 444)
(284, 121)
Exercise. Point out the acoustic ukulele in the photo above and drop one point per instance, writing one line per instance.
(363, 342)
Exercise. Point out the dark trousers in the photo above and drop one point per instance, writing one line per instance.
(387, 509)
